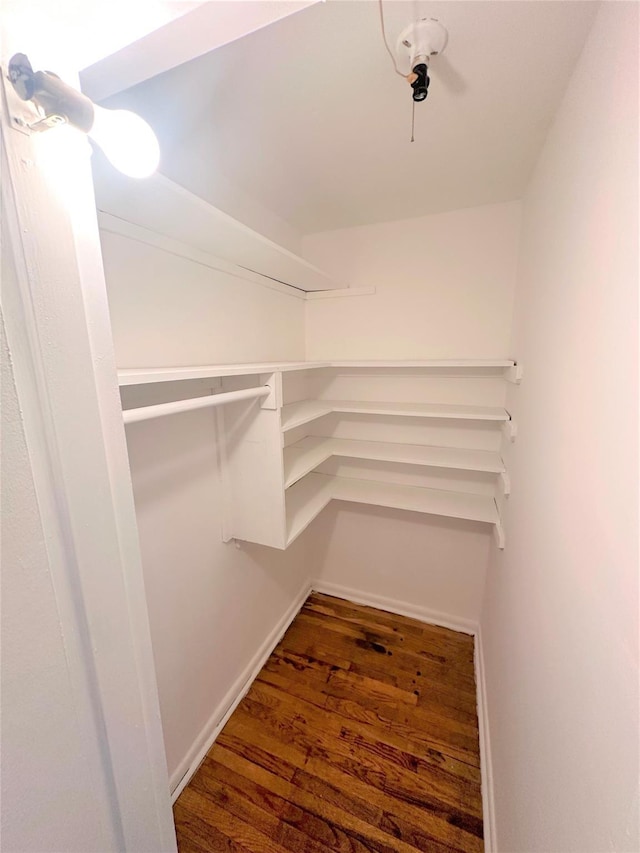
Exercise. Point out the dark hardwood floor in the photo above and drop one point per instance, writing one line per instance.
(360, 734)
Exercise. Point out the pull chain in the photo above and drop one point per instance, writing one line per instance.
(413, 119)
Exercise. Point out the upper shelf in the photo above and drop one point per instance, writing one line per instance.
(297, 414)
(431, 363)
(144, 375)
(149, 375)
(166, 208)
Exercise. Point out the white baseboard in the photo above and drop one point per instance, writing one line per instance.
(401, 608)
(486, 767)
(203, 743)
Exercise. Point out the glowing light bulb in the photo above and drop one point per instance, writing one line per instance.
(127, 141)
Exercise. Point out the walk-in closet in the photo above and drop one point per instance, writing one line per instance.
(322, 435)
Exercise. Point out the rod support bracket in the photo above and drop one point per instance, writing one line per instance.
(273, 381)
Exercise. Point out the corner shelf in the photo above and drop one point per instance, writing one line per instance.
(310, 452)
(309, 497)
(272, 488)
(297, 414)
(147, 375)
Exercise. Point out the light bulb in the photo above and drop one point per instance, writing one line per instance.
(127, 141)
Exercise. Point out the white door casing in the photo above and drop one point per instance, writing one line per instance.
(59, 338)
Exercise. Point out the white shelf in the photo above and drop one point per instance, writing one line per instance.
(305, 501)
(430, 501)
(143, 375)
(148, 375)
(310, 495)
(261, 476)
(431, 363)
(421, 410)
(296, 414)
(168, 209)
(307, 454)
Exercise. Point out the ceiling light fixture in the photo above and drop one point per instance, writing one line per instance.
(126, 139)
(420, 41)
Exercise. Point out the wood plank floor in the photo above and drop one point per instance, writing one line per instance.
(360, 734)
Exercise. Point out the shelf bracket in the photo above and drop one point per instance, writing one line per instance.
(498, 534)
(505, 481)
(514, 374)
(510, 429)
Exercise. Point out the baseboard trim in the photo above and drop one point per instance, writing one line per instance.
(400, 608)
(203, 743)
(486, 767)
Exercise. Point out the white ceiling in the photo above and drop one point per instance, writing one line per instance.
(69, 34)
(308, 118)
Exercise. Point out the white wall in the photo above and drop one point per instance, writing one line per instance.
(166, 309)
(444, 286)
(559, 623)
(211, 605)
(429, 564)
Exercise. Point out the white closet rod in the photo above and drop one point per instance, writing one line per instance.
(145, 413)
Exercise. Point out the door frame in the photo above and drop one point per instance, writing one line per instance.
(59, 338)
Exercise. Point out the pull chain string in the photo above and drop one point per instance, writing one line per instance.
(386, 43)
(395, 66)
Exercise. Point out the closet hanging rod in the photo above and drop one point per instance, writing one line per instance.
(147, 412)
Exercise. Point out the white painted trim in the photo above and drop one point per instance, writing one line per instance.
(203, 743)
(341, 293)
(115, 225)
(400, 608)
(65, 377)
(486, 767)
